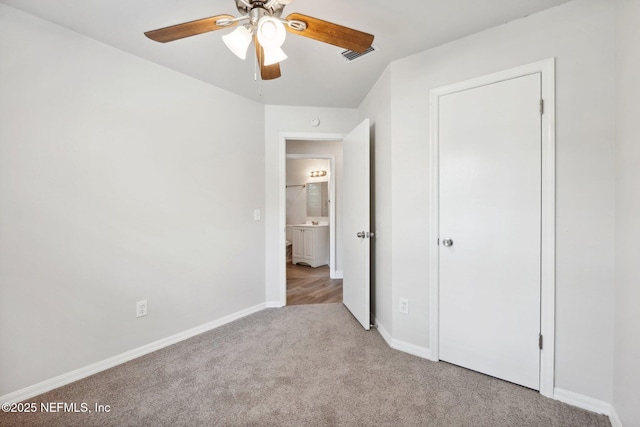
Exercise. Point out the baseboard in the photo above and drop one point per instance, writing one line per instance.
(103, 365)
(614, 418)
(403, 346)
(416, 350)
(383, 332)
(274, 304)
(338, 274)
(582, 401)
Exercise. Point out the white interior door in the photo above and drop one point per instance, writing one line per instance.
(490, 213)
(356, 222)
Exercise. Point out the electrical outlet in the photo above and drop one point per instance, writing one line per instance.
(141, 308)
(404, 306)
(256, 215)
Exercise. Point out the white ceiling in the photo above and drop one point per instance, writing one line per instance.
(314, 74)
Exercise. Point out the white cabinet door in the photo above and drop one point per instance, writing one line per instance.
(490, 212)
(308, 243)
(311, 245)
(298, 243)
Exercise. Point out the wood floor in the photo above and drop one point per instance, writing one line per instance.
(308, 285)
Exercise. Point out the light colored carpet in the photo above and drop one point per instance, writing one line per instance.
(307, 365)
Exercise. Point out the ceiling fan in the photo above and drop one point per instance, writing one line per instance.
(262, 23)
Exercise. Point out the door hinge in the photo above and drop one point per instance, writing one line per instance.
(541, 106)
(438, 242)
(540, 341)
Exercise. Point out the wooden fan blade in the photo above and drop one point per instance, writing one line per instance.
(334, 34)
(267, 72)
(188, 29)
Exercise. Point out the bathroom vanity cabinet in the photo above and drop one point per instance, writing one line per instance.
(311, 245)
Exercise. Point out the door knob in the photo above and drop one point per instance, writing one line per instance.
(447, 243)
(360, 234)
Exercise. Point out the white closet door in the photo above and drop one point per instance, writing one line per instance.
(490, 212)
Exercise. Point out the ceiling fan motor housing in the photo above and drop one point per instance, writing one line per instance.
(274, 10)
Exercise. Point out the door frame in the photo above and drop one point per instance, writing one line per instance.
(547, 239)
(283, 137)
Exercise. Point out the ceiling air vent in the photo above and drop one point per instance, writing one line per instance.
(350, 56)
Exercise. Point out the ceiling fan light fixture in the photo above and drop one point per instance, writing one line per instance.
(263, 24)
(271, 32)
(273, 55)
(238, 41)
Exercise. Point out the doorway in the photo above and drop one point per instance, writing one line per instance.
(313, 220)
(352, 228)
(310, 221)
(492, 156)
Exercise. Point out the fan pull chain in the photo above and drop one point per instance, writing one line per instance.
(255, 68)
(255, 75)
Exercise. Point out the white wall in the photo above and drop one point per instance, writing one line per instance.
(120, 180)
(626, 384)
(377, 107)
(580, 35)
(289, 120)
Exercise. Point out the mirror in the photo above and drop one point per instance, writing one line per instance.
(317, 199)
